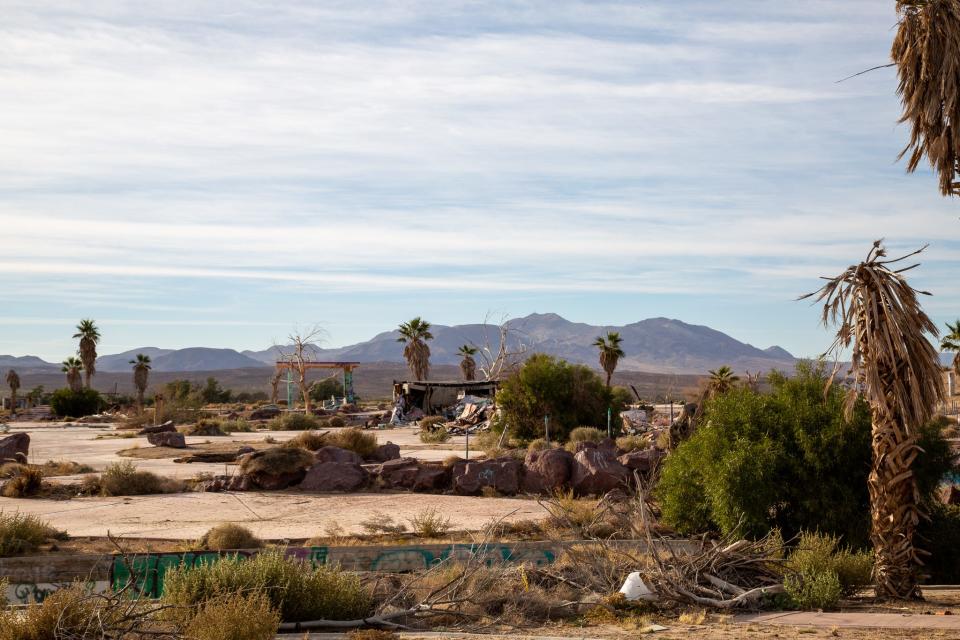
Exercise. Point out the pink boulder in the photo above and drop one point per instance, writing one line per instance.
(547, 470)
(334, 476)
(336, 454)
(502, 474)
(596, 471)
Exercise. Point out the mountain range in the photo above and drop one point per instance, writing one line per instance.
(655, 345)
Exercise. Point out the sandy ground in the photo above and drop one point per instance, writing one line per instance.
(276, 515)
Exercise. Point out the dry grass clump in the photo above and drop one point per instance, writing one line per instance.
(431, 422)
(361, 443)
(23, 533)
(123, 479)
(584, 434)
(26, 483)
(277, 460)
(539, 444)
(64, 614)
(294, 422)
(430, 523)
(237, 616)
(382, 523)
(434, 436)
(633, 443)
(53, 468)
(205, 427)
(309, 440)
(295, 589)
(230, 536)
(237, 426)
(336, 422)
(450, 461)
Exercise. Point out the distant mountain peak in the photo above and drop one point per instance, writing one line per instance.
(779, 352)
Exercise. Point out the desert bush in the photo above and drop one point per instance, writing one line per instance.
(238, 616)
(11, 469)
(277, 460)
(435, 436)
(571, 394)
(788, 459)
(205, 427)
(230, 536)
(294, 422)
(430, 422)
(124, 479)
(382, 523)
(586, 434)
(819, 571)
(430, 523)
(633, 443)
(52, 468)
(23, 533)
(322, 390)
(336, 422)
(539, 444)
(64, 614)
(309, 440)
(26, 483)
(295, 589)
(940, 536)
(361, 443)
(237, 426)
(85, 402)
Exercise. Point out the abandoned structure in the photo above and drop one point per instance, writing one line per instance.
(431, 397)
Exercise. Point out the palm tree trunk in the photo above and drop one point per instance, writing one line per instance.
(13, 402)
(140, 402)
(895, 513)
(609, 375)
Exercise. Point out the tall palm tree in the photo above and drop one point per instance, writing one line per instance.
(897, 370)
(415, 334)
(13, 381)
(610, 352)
(721, 380)
(89, 336)
(951, 342)
(468, 366)
(141, 375)
(72, 366)
(926, 52)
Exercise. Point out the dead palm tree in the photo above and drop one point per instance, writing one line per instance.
(13, 381)
(897, 370)
(468, 366)
(610, 352)
(141, 375)
(72, 366)
(415, 334)
(721, 380)
(89, 336)
(951, 342)
(926, 52)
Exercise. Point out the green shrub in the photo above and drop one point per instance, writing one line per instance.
(357, 440)
(571, 394)
(819, 590)
(238, 616)
(787, 459)
(85, 402)
(940, 536)
(584, 434)
(324, 389)
(435, 436)
(430, 523)
(817, 554)
(22, 533)
(336, 422)
(230, 536)
(294, 422)
(123, 479)
(295, 589)
(237, 426)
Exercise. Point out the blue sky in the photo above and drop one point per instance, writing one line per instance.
(213, 173)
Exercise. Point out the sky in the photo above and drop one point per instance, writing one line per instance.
(214, 173)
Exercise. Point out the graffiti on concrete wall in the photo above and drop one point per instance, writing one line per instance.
(37, 592)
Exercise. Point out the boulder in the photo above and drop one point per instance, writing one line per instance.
(166, 427)
(596, 471)
(547, 470)
(385, 452)
(503, 474)
(224, 483)
(336, 454)
(411, 474)
(15, 447)
(171, 439)
(334, 476)
(642, 461)
(265, 413)
(276, 468)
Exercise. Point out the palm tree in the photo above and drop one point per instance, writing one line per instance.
(13, 381)
(415, 334)
(468, 366)
(897, 370)
(951, 342)
(141, 374)
(72, 366)
(89, 336)
(926, 52)
(721, 380)
(610, 352)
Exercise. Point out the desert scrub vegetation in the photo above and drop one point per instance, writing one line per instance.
(236, 616)
(353, 439)
(434, 436)
(430, 523)
(380, 523)
(205, 427)
(294, 422)
(23, 533)
(295, 589)
(65, 613)
(819, 572)
(583, 434)
(229, 535)
(633, 443)
(431, 422)
(124, 479)
(336, 422)
(27, 482)
(277, 460)
(309, 440)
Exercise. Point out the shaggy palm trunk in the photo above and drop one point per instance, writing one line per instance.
(417, 354)
(88, 355)
(468, 367)
(13, 401)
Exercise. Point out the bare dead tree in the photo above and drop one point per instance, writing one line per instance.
(495, 361)
(300, 350)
